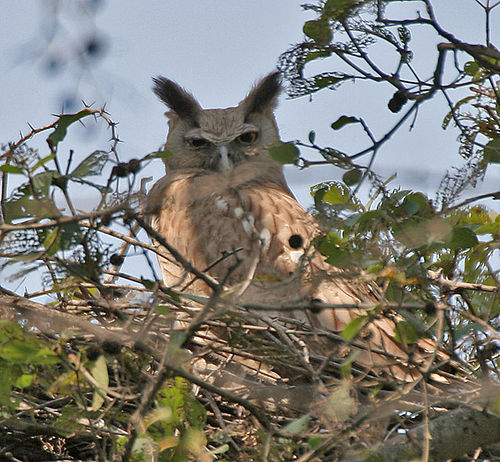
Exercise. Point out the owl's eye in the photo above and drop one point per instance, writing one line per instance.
(247, 138)
(197, 142)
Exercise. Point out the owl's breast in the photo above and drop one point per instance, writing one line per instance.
(233, 230)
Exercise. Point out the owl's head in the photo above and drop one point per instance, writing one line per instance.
(219, 139)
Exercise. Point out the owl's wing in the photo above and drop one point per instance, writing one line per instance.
(289, 251)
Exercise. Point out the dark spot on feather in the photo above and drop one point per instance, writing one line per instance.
(316, 305)
(295, 241)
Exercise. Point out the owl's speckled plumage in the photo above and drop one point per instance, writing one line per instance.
(223, 193)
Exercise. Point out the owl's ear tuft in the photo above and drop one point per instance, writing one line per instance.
(264, 96)
(176, 98)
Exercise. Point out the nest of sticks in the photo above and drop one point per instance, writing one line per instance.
(254, 384)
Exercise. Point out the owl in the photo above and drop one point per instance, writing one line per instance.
(224, 204)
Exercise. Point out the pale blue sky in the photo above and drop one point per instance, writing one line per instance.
(216, 49)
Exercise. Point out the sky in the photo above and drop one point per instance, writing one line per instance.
(217, 49)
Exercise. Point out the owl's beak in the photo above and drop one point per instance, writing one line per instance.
(225, 163)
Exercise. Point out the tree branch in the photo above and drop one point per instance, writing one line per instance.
(454, 434)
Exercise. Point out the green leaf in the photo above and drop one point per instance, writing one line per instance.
(158, 414)
(32, 199)
(148, 283)
(343, 120)
(50, 240)
(346, 366)
(364, 221)
(174, 295)
(449, 115)
(10, 169)
(221, 450)
(284, 153)
(471, 67)
(176, 395)
(61, 181)
(325, 80)
(447, 119)
(44, 356)
(26, 207)
(341, 403)
(91, 165)
(43, 181)
(492, 151)
(339, 257)
(25, 380)
(315, 441)
(299, 425)
(352, 328)
(477, 216)
(62, 125)
(312, 136)
(62, 237)
(417, 323)
(99, 370)
(414, 203)
(373, 456)
(327, 243)
(319, 30)
(143, 447)
(462, 238)
(352, 177)
(495, 403)
(18, 351)
(336, 194)
(69, 419)
(177, 339)
(162, 309)
(9, 376)
(339, 9)
(489, 228)
(312, 55)
(43, 161)
(25, 257)
(405, 333)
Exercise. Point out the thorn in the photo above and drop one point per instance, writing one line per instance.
(31, 126)
(87, 106)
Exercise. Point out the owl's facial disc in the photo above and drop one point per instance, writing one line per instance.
(222, 153)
